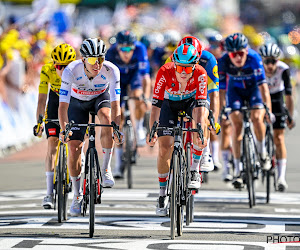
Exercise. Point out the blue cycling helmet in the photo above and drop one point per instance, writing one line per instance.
(186, 54)
(125, 37)
(235, 42)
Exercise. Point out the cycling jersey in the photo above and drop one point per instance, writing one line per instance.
(167, 86)
(75, 82)
(209, 63)
(280, 80)
(49, 75)
(252, 74)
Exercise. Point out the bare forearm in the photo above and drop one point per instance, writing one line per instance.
(155, 111)
(41, 105)
(264, 90)
(200, 115)
(146, 86)
(215, 104)
(63, 114)
(222, 98)
(116, 112)
(289, 104)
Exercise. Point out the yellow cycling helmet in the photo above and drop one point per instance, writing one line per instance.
(63, 54)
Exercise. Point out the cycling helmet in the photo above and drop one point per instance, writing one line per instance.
(235, 42)
(92, 47)
(125, 37)
(269, 50)
(171, 38)
(186, 54)
(63, 54)
(152, 40)
(193, 41)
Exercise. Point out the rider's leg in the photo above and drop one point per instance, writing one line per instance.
(215, 146)
(237, 125)
(104, 115)
(49, 163)
(226, 147)
(281, 154)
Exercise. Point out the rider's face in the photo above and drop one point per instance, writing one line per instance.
(183, 72)
(270, 65)
(238, 58)
(95, 68)
(126, 52)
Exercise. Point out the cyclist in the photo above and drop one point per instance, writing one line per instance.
(209, 63)
(278, 78)
(180, 85)
(89, 84)
(246, 81)
(131, 58)
(51, 73)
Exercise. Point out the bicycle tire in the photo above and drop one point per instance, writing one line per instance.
(188, 192)
(192, 202)
(247, 165)
(180, 192)
(173, 203)
(92, 191)
(179, 221)
(128, 131)
(66, 187)
(60, 187)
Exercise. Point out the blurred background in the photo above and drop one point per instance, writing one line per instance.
(29, 30)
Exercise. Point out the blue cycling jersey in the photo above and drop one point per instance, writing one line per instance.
(138, 63)
(252, 74)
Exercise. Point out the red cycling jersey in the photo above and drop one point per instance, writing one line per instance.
(167, 86)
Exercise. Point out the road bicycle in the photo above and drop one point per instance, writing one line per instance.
(249, 155)
(61, 179)
(178, 192)
(92, 183)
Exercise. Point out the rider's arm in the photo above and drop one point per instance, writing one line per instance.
(146, 86)
(222, 82)
(64, 97)
(265, 94)
(43, 92)
(288, 91)
(144, 69)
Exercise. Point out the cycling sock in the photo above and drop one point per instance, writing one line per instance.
(163, 180)
(237, 167)
(49, 181)
(139, 123)
(207, 148)
(76, 184)
(261, 148)
(281, 163)
(118, 157)
(107, 153)
(215, 151)
(197, 154)
(225, 156)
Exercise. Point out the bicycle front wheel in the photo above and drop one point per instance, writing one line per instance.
(92, 192)
(128, 132)
(187, 191)
(173, 203)
(60, 184)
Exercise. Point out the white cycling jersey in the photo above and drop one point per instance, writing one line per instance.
(276, 83)
(75, 83)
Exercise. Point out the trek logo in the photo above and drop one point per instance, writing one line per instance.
(159, 84)
(63, 92)
(78, 78)
(118, 91)
(103, 77)
(52, 131)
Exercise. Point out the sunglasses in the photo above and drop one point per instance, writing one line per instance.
(127, 48)
(60, 67)
(270, 60)
(187, 69)
(93, 60)
(234, 54)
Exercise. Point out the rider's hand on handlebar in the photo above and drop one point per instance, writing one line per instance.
(40, 130)
(153, 140)
(291, 124)
(62, 136)
(199, 142)
(116, 139)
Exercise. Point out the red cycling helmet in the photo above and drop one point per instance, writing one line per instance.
(193, 41)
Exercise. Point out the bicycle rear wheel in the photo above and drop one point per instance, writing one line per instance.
(66, 187)
(173, 203)
(60, 185)
(270, 150)
(188, 192)
(129, 142)
(92, 192)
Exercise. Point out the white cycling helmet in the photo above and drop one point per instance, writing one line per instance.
(269, 50)
(92, 47)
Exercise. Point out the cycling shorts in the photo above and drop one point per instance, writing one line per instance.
(79, 112)
(237, 96)
(169, 113)
(135, 83)
(278, 110)
(52, 129)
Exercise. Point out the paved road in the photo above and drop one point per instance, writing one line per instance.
(126, 218)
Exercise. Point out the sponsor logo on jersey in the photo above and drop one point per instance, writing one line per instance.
(202, 87)
(215, 71)
(118, 91)
(75, 128)
(78, 78)
(85, 92)
(142, 65)
(99, 85)
(103, 77)
(52, 131)
(258, 72)
(64, 82)
(159, 84)
(63, 92)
